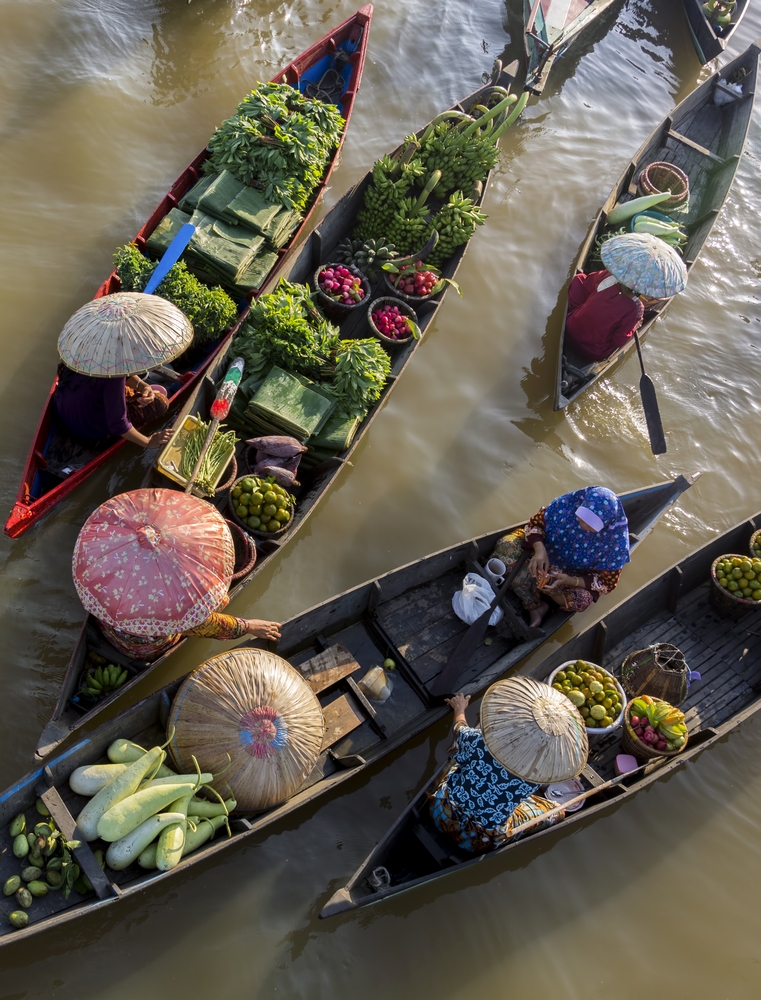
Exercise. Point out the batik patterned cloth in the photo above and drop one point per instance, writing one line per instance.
(478, 803)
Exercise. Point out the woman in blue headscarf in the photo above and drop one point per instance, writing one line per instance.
(579, 545)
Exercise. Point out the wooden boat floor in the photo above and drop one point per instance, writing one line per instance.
(726, 654)
(426, 630)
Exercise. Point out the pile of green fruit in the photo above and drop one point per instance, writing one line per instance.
(740, 576)
(48, 864)
(101, 677)
(262, 504)
(593, 691)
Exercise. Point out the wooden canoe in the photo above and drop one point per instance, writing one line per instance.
(55, 466)
(674, 607)
(550, 26)
(706, 141)
(318, 248)
(709, 42)
(335, 642)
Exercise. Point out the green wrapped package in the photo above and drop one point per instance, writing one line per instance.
(165, 232)
(337, 434)
(189, 201)
(251, 209)
(284, 403)
(223, 189)
(256, 273)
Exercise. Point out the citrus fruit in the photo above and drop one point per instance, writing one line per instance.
(597, 712)
(237, 492)
(254, 522)
(274, 525)
(756, 595)
(241, 511)
(270, 496)
(282, 515)
(269, 510)
(245, 499)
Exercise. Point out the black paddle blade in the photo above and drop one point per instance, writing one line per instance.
(652, 416)
(471, 639)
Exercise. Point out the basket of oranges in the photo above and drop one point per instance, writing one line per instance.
(735, 584)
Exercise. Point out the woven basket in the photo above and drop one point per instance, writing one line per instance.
(755, 540)
(222, 488)
(658, 177)
(724, 601)
(338, 310)
(245, 551)
(659, 670)
(406, 310)
(255, 531)
(412, 300)
(630, 743)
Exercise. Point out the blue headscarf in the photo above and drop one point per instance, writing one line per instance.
(569, 546)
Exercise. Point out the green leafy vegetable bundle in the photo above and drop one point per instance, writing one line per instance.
(279, 142)
(210, 310)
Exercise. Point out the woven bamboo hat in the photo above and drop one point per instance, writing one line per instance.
(254, 706)
(122, 334)
(533, 730)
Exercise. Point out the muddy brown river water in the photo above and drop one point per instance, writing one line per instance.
(102, 103)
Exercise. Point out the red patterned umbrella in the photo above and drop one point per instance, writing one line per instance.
(153, 562)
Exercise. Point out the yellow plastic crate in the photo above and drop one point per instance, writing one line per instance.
(169, 459)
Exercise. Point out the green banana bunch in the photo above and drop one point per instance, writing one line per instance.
(103, 680)
(455, 224)
(368, 256)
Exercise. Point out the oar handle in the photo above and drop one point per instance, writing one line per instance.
(579, 798)
(170, 257)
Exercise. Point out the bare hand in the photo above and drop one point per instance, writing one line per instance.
(262, 629)
(147, 393)
(159, 438)
(561, 580)
(539, 563)
(458, 703)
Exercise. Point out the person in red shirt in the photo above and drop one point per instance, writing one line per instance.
(602, 315)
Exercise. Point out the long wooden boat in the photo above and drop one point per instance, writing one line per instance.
(672, 608)
(550, 26)
(703, 138)
(709, 42)
(315, 482)
(643, 508)
(55, 465)
(406, 615)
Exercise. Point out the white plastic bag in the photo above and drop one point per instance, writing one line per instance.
(475, 598)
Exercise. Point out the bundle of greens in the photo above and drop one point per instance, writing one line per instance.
(286, 329)
(210, 310)
(279, 142)
(361, 370)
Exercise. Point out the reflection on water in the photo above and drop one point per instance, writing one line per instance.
(101, 106)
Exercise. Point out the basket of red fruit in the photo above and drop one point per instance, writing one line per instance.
(340, 289)
(392, 322)
(653, 728)
(415, 283)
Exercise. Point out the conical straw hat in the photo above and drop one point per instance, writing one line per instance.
(645, 263)
(253, 705)
(122, 334)
(533, 730)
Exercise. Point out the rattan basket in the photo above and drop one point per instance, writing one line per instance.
(245, 551)
(660, 670)
(412, 300)
(331, 307)
(257, 533)
(406, 310)
(658, 177)
(755, 540)
(631, 743)
(724, 601)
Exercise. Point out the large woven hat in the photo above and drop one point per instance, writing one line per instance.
(256, 707)
(122, 334)
(533, 730)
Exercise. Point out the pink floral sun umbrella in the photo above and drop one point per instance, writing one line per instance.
(153, 562)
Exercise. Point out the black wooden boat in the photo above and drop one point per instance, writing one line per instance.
(673, 608)
(703, 136)
(71, 709)
(710, 41)
(550, 26)
(408, 609)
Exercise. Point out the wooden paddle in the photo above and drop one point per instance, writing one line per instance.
(538, 820)
(170, 257)
(650, 406)
(472, 637)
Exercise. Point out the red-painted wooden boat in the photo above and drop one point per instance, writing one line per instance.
(45, 480)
